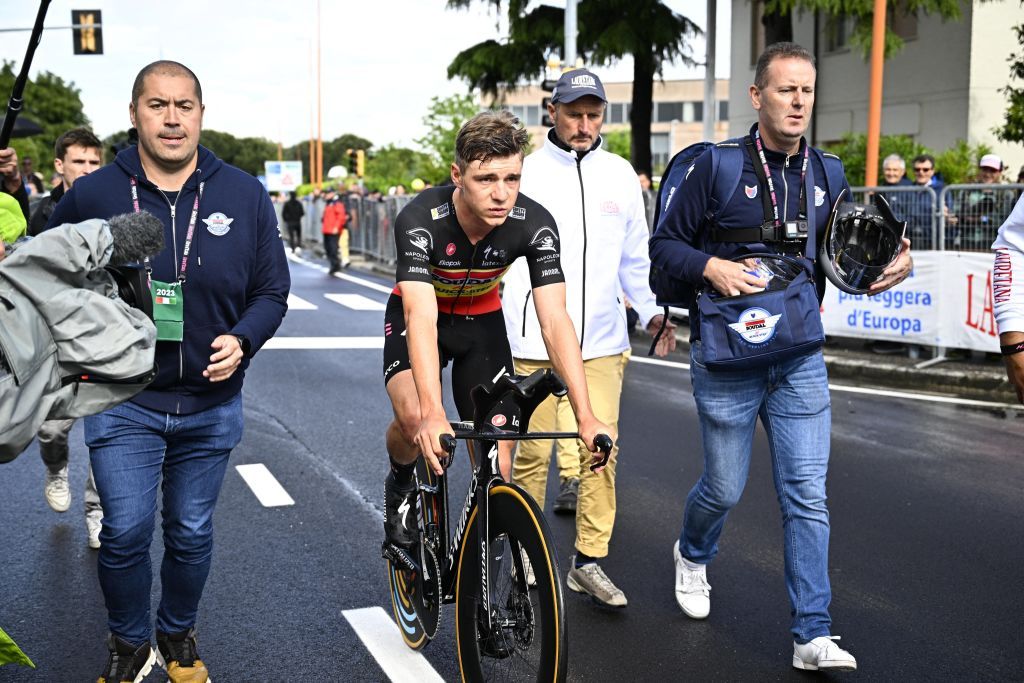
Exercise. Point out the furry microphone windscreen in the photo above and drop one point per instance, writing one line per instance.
(136, 236)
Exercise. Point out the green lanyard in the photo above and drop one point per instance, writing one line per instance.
(168, 297)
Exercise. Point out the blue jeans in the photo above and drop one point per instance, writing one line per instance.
(792, 401)
(131, 449)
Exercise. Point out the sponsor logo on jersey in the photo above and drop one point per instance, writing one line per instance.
(418, 269)
(688, 172)
(421, 239)
(550, 271)
(750, 190)
(494, 257)
(819, 196)
(448, 264)
(517, 212)
(218, 224)
(756, 325)
(609, 208)
(545, 239)
(499, 420)
(450, 249)
(439, 212)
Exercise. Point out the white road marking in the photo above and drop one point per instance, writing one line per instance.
(296, 303)
(381, 637)
(365, 283)
(927, 398)
(267, 489)
(356, 302)
(279, 343)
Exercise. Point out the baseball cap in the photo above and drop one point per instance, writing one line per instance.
(578, 83)
(991, 161)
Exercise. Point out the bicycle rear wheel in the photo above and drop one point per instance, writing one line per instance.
(527, 641)
(415, 602)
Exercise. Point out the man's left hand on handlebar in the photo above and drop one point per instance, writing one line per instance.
(590, 428)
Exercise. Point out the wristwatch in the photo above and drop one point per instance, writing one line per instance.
(1011, 349)
(244, 344)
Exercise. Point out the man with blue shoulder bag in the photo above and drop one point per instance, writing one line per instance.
(748, 229)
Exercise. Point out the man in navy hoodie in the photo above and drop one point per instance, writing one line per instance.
(221, 286)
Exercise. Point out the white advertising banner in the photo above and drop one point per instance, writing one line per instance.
(947, 301)
(283, 176)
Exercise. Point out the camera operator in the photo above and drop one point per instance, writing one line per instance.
(220, 286)
(78, 152)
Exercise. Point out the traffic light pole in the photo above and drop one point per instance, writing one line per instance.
(14, 105)
(569, 62)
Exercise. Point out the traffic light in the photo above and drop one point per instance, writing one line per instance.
(87, 31)
(548, 85)
(356, 162)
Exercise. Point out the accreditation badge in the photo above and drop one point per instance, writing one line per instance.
(168, 311)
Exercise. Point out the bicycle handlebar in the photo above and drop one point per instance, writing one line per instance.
(603, 442)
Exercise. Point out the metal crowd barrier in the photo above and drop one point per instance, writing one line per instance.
(968, 220)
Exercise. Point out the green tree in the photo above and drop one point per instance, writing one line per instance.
(443, 119)
(958, 164)
(617, 142)
(609, 30)
(50, 102)
(778, 22)
(1012, 129)
(392, 165)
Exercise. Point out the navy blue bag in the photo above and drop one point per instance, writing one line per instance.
(754, 330)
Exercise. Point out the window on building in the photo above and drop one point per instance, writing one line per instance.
(756, 31)
(668, 111)
(838, 30)
(723, 111)
(660, 149)
(618, 112)
(903, 21)
(532, 115)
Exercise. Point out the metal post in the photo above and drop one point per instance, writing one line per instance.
(875, 93)
(569, 60)
(710, 110)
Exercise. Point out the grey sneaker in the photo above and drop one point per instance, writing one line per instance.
(822, 654)
(531, 579)
(592, 580)
(568, 491)
(58, 494)
(93, 524)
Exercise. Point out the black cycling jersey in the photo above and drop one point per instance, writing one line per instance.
(432, 247)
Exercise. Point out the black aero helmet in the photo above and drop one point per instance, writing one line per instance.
(860, 242)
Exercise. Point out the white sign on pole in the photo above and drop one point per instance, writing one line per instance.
(283, 176)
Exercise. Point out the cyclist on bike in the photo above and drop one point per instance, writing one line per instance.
(453, 245)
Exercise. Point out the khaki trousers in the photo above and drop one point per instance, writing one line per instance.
(595, 506)
(343, 247)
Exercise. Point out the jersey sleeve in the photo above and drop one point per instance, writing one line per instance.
(543, 251)
(1008, 290)
(414, 245)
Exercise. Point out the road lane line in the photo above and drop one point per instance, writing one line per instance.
(928, 398)
(296, 303)
(279, 343)
(343, 276)
(356, 302)
(381, 637)
(267, 489)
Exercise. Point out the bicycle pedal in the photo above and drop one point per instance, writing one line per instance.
(399, 556)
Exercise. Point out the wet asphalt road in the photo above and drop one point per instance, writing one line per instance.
(926, 505)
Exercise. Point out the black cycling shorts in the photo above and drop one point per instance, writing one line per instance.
(476, 345)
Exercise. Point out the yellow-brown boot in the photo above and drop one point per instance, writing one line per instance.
(181, 657)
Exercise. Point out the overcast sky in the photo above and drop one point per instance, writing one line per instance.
(382, 60)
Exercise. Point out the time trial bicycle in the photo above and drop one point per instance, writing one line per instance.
(503, 629)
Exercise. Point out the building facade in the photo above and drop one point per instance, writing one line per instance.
(943, 86)
(677, 119)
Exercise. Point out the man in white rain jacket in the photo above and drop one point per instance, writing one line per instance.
(597, 203)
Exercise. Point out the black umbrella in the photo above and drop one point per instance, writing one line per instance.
(23, 127)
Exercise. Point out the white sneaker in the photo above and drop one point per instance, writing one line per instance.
(58, 494)
(592, 580)
(823, 654)
(93, 524)
(693, 592)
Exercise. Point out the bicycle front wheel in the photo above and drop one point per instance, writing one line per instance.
(526, 640)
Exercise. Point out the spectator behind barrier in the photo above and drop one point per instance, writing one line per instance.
(979, 213)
